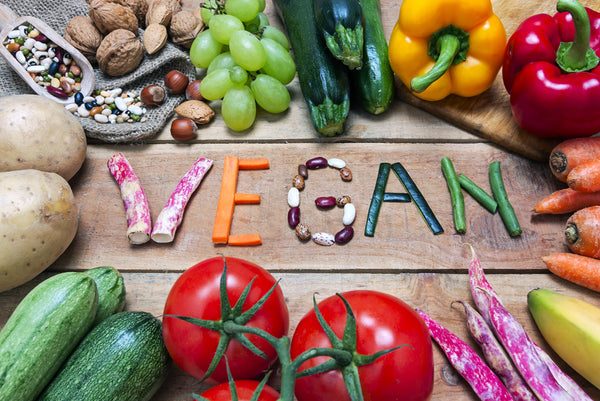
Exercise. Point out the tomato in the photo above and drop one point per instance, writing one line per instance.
(383, 322)
(244, 389)
(196, 294)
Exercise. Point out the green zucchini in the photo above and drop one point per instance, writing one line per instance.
(124, 358)
(373, 84)
(111, 291)
(340, 22)
(42, 331)
(323, 79)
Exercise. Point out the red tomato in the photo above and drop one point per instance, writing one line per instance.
(383, 322)
(196, 294)
(244, 388)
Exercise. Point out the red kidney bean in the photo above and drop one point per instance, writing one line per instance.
(293, 216)
(344, 235)
(56, 92)
(316, 162)
(325, 202)
(303, 171)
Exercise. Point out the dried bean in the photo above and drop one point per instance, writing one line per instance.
(336, 163)
(316, 163)
(324, 239)
(303, 171)
(303, 232)
(294, 216)
(325, 202)
(298, 182)
(293, 197)
(346, 174)
(342, 200)
(349, 214)
(344, 235)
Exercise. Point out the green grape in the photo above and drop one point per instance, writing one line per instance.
(216, 84)
(207, 10)
(223, 25)
(259, 22)
(280, 63)
(204, 49)
(247, 51)
(245, 10)
(262, 4)
(238, 75)
(238, 108)
(270, 32)
(270, 94)
(223, 60)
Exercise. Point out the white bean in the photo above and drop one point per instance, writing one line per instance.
(71, 107)
(120, 103)
(14, 34)
(116, 92)
(20, 57)
(88, 99)
(136, 110)
(36, 68)
(99, 100)
(107, 112)
(336, 163)
(109, 100)
(349, 214)
(82, 111)
(293, 197)
(101, 118)
(322, 238)
(40, 46)
(29, 42)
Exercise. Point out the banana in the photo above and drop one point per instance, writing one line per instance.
(571, 327)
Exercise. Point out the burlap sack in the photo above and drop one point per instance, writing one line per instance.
(152, 71)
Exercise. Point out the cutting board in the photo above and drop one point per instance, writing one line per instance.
(488, 115)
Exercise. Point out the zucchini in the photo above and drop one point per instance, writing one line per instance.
(124, 358)
(323, 79)
(341, 24)
(42, 331)
(373, 84)
(111, 291)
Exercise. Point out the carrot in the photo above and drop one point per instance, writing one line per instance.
(578, 269)
(245, 239)
(225, 203)
(585, 177)
(246, 199)
(570, 153)
(582, 232)
(566, 201)
(253, 164)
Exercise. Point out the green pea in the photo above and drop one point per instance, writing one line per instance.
(20, 40)
(135, 117)
(57, 75)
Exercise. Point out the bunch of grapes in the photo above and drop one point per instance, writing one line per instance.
(247, 60)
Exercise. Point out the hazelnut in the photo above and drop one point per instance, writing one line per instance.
(192, 92)
(183, 129)
(176, 81)
(153, 95)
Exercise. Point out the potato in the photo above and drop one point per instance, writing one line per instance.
(39, 133)
(38, 221)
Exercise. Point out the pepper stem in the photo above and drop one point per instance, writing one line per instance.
(447, 47)
(576, 56)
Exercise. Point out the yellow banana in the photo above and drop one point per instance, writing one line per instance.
(571, 327)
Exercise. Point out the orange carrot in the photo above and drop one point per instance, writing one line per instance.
(253, 164)
(570, 153)
(582, 232)
(226, 204)
(578, 269)
(245, 239)
(566, 201)
(246, 199)
(585, 177)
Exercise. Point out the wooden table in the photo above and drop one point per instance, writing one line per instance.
(404, 258)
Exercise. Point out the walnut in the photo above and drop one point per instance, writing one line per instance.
(184, 28)
(161, 11)
(155, 38)
(120, 52)
(109, 16)
(84, 36)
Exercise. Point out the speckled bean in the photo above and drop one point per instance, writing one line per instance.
(316, 162)
(325, 202)
(342, 200)
(293, 197)
(336, 163)
(349, 214)
(322, 238)
(303, 232)
(294, 216)
(298, 182)
(346, 174)
(344, 235)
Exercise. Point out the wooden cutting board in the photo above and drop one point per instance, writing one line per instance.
(487, 115)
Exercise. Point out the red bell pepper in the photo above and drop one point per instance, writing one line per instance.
(551, 70)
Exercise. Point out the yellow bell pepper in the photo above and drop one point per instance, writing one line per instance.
(443, 47)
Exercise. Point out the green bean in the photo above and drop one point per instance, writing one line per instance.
(418, 198)
(456, 195)
(396, 197)
(478, 194)
(504, 207)
(377, 199)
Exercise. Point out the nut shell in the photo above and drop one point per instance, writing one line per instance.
(154, 38)
(120, 52)
(84, 36)
(109, 16)
(161, 11)
(196, 110)
(184, 28)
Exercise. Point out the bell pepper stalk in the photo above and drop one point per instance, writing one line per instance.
(551, 71)
(440, 47)
(342, 354)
